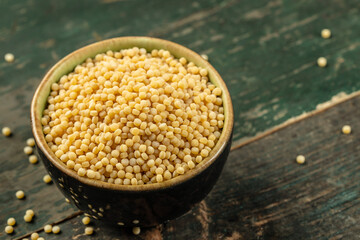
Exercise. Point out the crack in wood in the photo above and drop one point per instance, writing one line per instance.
(247, 140)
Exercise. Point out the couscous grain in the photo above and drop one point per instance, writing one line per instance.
(33, 159)
(9, 57)
(85, 220)
(34, 236)
(48, 228)
(136, 230)
(346, 129)
(325, 33)
(89, 230)
(47, 178)
(6, 131)
(300, 159)
(20, 194)
(322, 62)
(56, 229)
(133, 118)
(9, 229)
(30, 142)
(11, 221)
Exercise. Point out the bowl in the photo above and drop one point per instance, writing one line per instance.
(127, 205)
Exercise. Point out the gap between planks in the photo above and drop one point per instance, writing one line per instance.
(322, 108)
(319, 109)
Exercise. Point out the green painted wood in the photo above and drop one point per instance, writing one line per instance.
(264, 194)
(265, 51)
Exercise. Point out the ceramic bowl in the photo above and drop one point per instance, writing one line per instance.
(140, 205)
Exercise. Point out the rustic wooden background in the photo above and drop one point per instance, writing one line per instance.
(266, 52)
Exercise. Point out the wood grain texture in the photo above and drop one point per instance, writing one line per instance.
(266, 53)
(264, 194)
(265, 50)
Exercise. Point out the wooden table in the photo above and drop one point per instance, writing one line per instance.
(266, 52)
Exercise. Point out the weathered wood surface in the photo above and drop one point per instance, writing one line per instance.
(266, 53)
(264, 194)
(265, 50)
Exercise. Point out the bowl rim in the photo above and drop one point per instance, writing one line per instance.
(38, 104)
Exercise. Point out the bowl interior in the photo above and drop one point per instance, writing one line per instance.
(68, 63)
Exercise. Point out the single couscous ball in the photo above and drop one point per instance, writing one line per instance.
(6, 131)
(9, 229)
(322, 62)
(11, 221)
(56, 229)
(136, 230)
(28, 218)
(300, 159)
(346, 129)
(20, 194)
(30, 142)
(30, 212)
(133, 117)
(9, 57)
(89, 230)
(85, 220)
(28, 150)
(34, 236)
(325, 33)
(47, 178)
(33, 159)
(48, 228)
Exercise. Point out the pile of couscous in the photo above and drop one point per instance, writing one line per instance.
(133, 117)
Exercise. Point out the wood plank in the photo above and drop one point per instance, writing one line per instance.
(17, 173)
(264, 194)
(265, 51)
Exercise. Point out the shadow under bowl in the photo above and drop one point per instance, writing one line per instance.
(139, 205)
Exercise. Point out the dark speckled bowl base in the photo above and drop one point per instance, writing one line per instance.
(134, 208)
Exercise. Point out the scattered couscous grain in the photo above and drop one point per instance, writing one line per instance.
(6, 131)
(131, 117)
(67, 200)
(300, 159)
(89, 230)
(28, 150)
(326, 33)
(322, 62)
(9, 57)
(28, 218)
(33, 159)
(47, 178)
(136, 230)
(20, 194)
(41, 238)
(85, 220)
(56, 229)
(34, 236)
(9, 229)
(346, 129)
(11, 221)
(30, 212)
(30, 142)
(48, 228)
